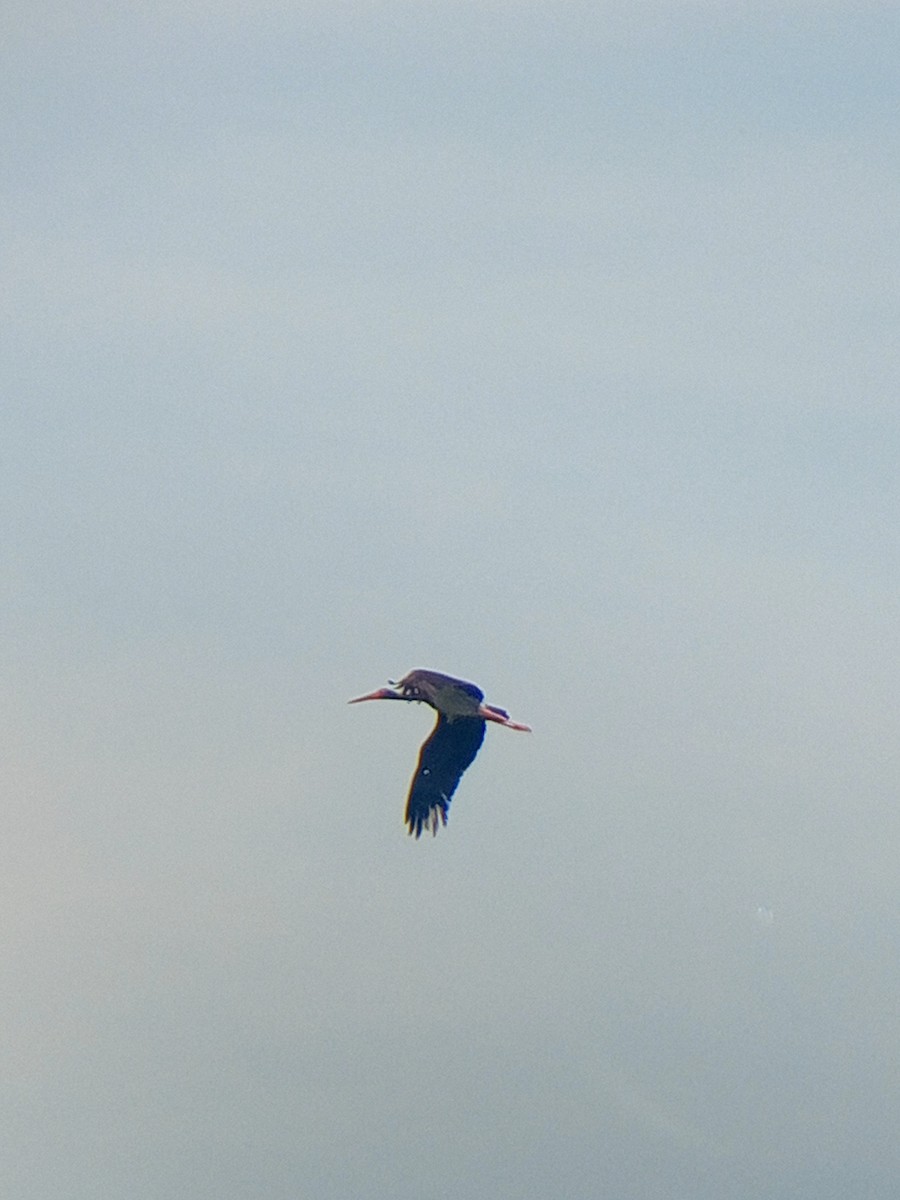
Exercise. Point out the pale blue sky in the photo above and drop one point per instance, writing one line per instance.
(553, 346)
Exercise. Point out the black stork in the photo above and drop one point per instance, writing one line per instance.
(453, 744)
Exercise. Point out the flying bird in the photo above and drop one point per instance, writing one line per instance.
(453, 744)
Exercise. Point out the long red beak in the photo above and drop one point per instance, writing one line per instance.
(381, 694)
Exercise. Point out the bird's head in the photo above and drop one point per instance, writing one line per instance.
(407, 688)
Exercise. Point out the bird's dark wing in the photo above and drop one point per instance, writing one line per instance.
(443, 758)
(471, 689)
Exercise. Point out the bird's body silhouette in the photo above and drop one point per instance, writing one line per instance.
(452, 746)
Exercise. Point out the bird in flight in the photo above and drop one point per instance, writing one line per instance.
(452, 746)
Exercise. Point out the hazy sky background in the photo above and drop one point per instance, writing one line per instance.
(551, 345)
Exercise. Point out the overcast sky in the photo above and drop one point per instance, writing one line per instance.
(554, 346)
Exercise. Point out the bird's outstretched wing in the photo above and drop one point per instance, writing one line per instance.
(451, 748)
